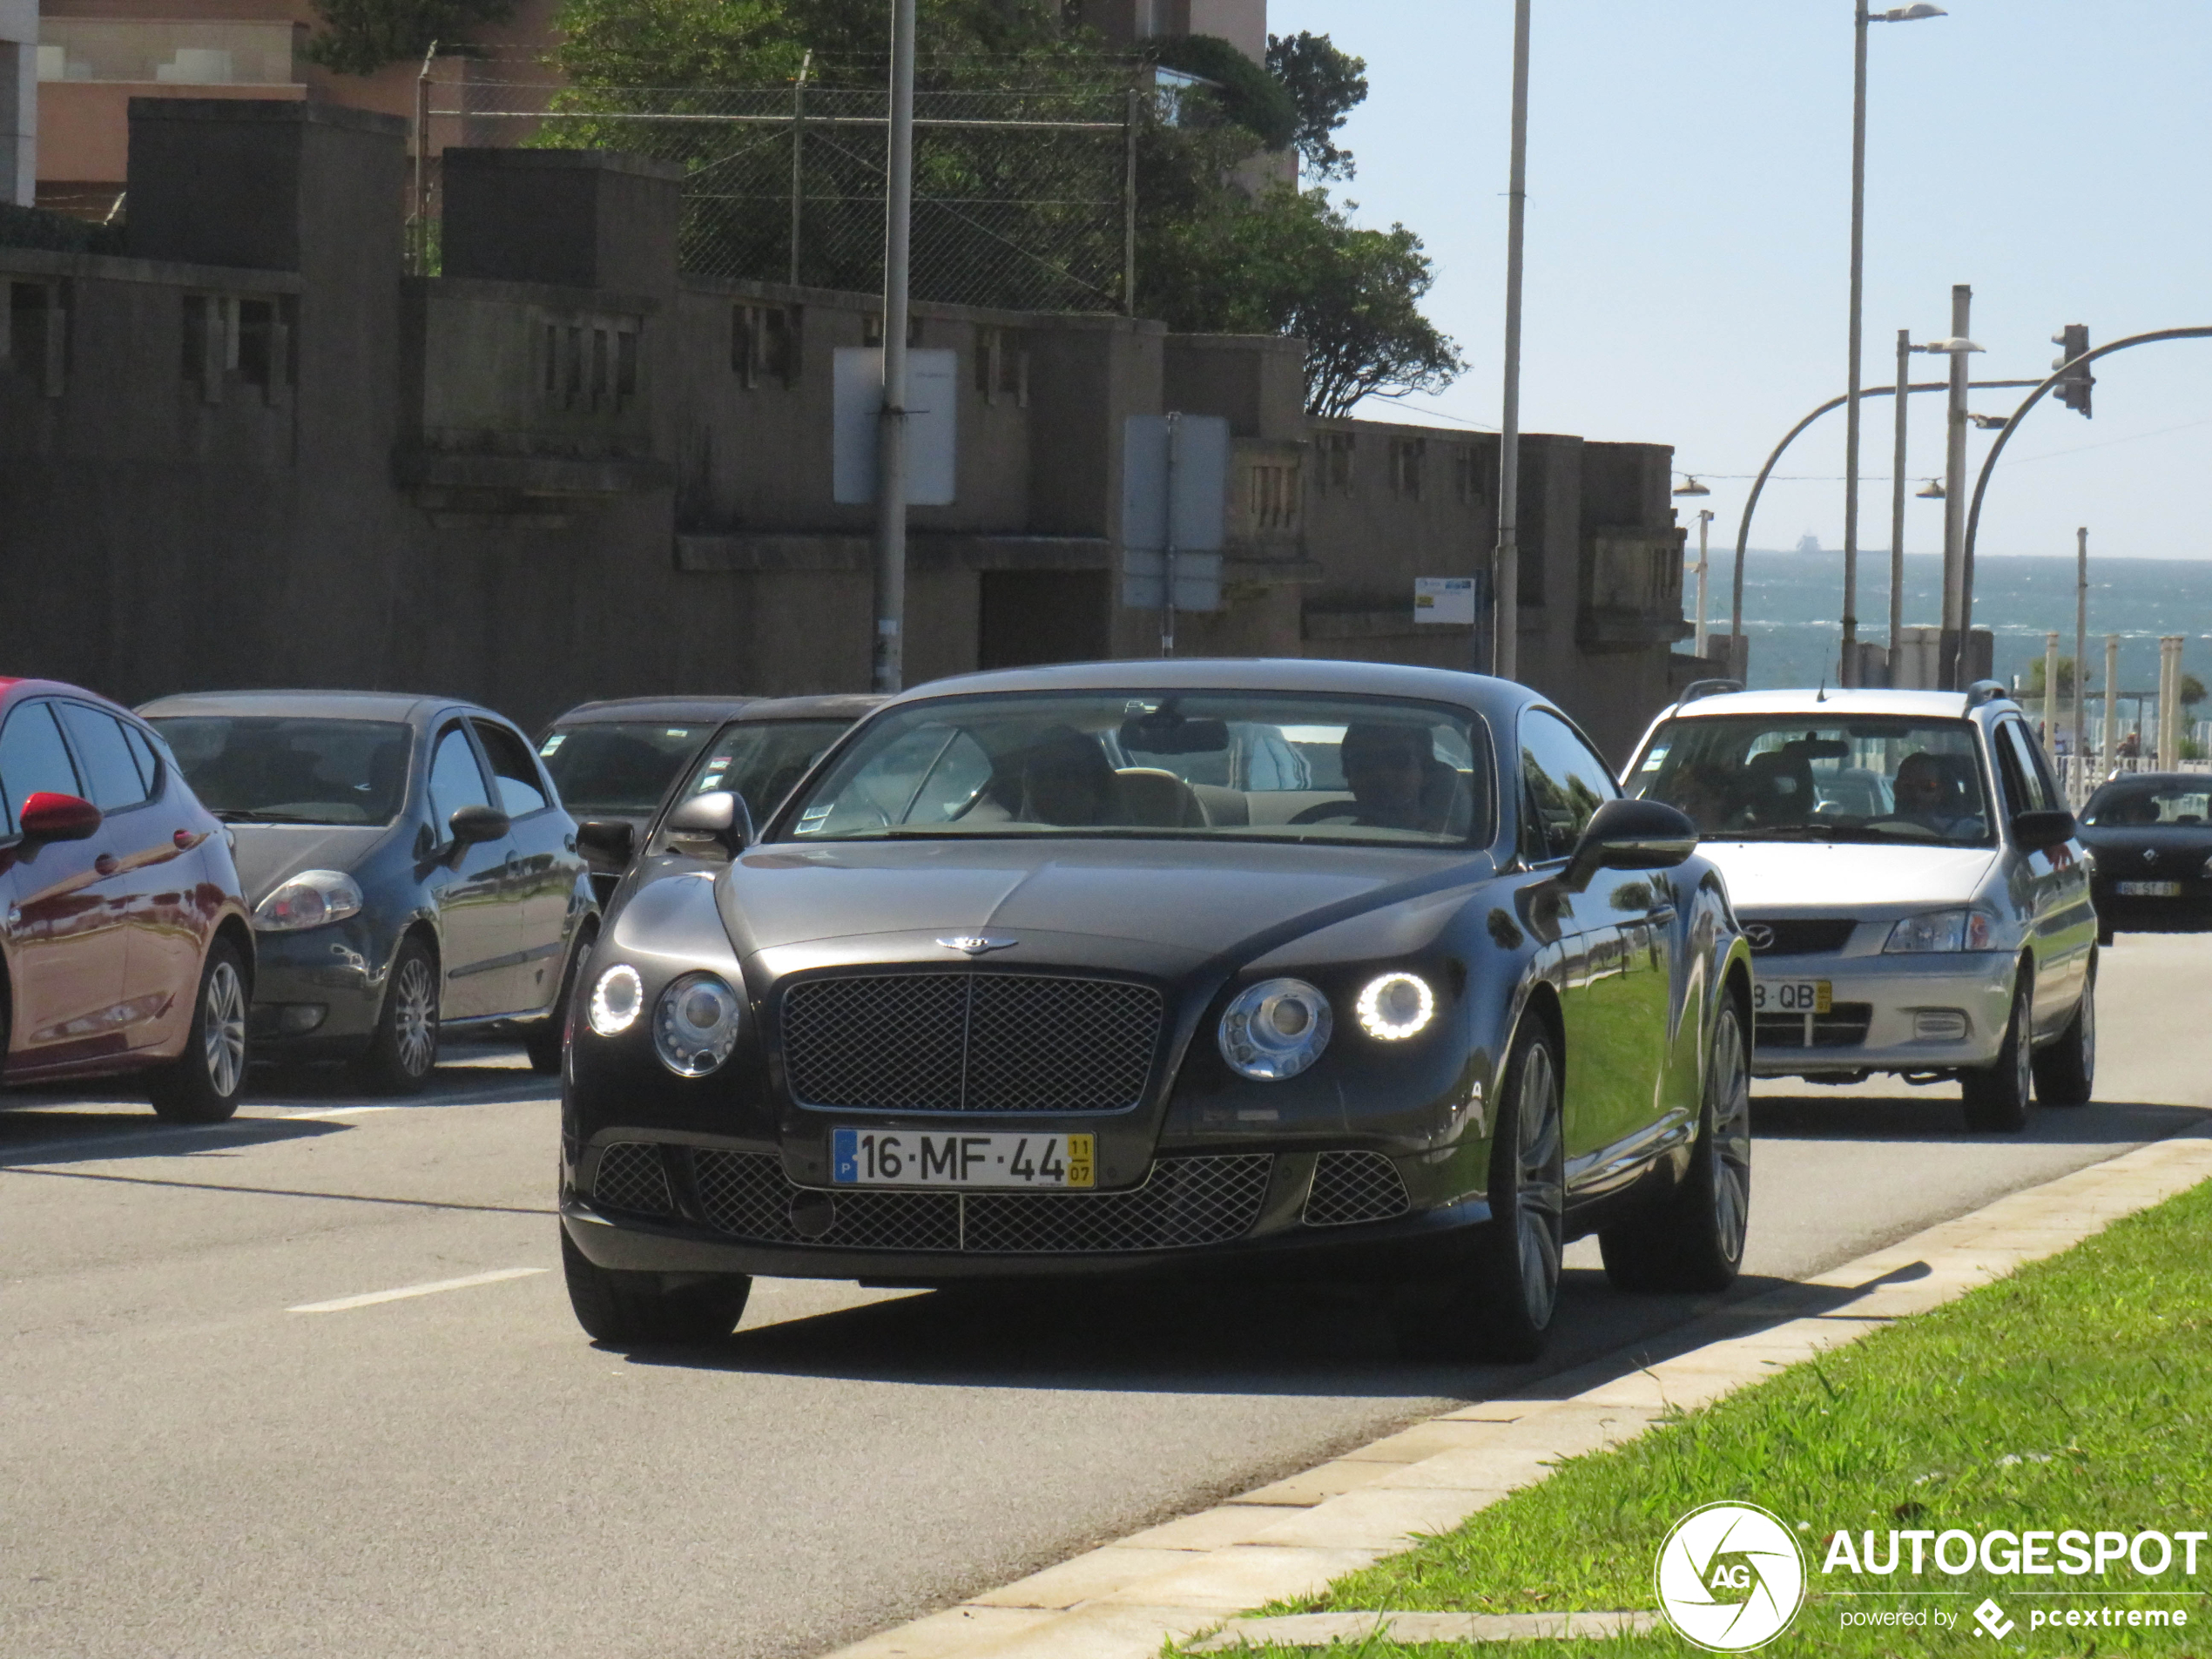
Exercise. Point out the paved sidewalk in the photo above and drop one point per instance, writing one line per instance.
(1292, 1538)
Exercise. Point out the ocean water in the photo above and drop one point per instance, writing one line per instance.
(1792, 602)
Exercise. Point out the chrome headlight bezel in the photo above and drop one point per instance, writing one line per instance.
(617, 998)
(1934, 932)
(310, 898)
(688, 1045)
(1395, 1006)
(1253, 1038)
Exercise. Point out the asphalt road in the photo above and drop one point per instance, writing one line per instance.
(192, 1462)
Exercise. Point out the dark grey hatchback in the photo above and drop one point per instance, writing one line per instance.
(409, 866)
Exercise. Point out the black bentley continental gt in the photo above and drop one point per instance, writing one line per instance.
(1304, 968)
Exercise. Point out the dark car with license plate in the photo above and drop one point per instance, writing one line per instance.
(2149, 836)
(410, 868)
(1032, 977)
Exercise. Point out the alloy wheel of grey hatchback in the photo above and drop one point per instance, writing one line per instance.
(223, 1028)
(1540, 1217)
(1729, 1081)
(414, 1017)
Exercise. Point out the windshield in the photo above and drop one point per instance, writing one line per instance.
(2133, 805)
(759, 760)
(1247, 765)
(273, 770)
(623, 768)
(1798, 777)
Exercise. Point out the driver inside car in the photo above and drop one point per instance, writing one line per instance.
(1395, 778)
(1926, 793)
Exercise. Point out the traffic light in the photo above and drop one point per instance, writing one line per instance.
(2073, 389)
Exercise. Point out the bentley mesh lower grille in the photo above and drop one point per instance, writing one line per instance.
(1184, 1203)
(969, 1042)
(1354, 1186)
(631, 1177)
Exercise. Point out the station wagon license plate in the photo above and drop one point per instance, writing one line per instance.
(2148, 889)
(868, 1157)
(1793, 996)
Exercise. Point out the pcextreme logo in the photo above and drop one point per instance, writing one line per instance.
(1730, 1577)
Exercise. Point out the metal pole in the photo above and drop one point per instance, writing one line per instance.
(1896, 502)
(1849, 675)
(1167, 539)
(1505, 657)
(798, 155)
(1954, 652)
(2051, 692)
(2111, 744)
(419, 239)
(1704, 527)
(2080, 663)
(1129, 205)
(891, 451)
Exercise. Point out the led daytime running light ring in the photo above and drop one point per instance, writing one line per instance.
(1396, 1007)
(616, 1001)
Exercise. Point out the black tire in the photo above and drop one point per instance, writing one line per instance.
(2066, 1073)
(544, 1040)
(203, 1084)
(1694, 1240)
(403, 1052)
(1997, 1097)
(1498, 1306)
(647, 1308)
(2104, 933)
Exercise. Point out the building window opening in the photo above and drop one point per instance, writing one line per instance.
(764, 344)
(1466, 477)
(1271, 497)
(1338, 452)
(1406, 455)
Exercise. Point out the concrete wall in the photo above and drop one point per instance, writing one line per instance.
(18, 101)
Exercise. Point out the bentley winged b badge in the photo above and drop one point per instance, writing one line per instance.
(976, 944)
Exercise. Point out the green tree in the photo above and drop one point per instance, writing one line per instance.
(2034, 688)
(360, 36)
(1324, 86)
(1245, 93)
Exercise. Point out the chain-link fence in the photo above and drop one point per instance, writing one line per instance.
(1023, 199)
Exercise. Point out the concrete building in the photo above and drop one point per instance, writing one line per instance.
(18, 101)
(253, 452)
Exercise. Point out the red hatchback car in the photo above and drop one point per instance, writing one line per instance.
(124, 943)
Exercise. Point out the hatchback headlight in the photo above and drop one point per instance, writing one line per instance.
(695, 1025)
(308, 899)
(615, 1000)
(1275, 1029)
(1396, 1007)
(1941, 930)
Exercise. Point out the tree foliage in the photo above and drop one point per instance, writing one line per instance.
(1324, 86)
(1247, 95)
(360, 36)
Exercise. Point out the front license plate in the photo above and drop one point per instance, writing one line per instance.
(1793, 996)
(2148, 889)
(869, 1158)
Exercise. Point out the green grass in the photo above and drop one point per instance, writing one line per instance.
(2074, 1393)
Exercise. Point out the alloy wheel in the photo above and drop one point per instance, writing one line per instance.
(223, 1028)
(1540, 1210)
(2024, 1046)
(1730, 1084)
(2088, 1018)
(416, 1017)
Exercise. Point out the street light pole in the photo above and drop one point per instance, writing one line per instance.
(1954, 648)
(1896, 501)
(1505, 585)
(1704, 527)
(889, 653)
(2081, 662)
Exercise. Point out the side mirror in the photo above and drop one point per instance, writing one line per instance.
(1631, 835)
(50, 817)
(473, 824)
(719, 816)
(612, 838)
(2041, 831)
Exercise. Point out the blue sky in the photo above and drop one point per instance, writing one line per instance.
(1690, 177)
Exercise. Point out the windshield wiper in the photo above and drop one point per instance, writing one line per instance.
(254, 815)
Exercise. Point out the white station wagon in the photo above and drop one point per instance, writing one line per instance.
(1908, 877)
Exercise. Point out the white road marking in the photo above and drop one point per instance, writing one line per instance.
(371, 1298)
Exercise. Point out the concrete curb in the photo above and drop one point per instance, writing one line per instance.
(1292, 1538)
(1319, 1630)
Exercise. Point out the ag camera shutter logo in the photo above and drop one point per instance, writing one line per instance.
(1730, 1577)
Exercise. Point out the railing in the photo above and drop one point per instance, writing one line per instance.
(2078, 780)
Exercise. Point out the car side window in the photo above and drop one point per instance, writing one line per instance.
(33, 759)
(149, 764)
(520, 791)
(456, 780)
(2023, 782)
(1562, 784)
(104, 756)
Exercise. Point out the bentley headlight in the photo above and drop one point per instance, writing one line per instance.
(1941, 930)
(1396, 1007)
(696, 1024)
(308, 899)
(615, 1000)
(1275, 1029)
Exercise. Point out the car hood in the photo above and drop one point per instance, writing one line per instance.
(1771, 878)
(268, 854)
(1170, 903)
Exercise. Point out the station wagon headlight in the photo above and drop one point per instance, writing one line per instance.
(695, 1025)
(1396, 1007)
(1941, 930)
(615, 1000)
(308, 899)
(1275, 1029)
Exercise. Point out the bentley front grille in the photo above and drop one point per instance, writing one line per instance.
(1354, 1186)
(1183, 1203)
(631, 1178)
(969, 1042)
